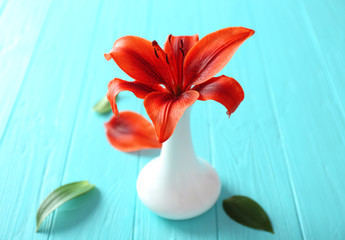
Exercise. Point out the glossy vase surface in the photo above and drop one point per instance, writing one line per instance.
(178, 184)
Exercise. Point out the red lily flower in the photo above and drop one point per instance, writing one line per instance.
(172, 79)
(131, 132)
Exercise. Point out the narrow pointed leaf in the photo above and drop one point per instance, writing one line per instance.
(60, 196)
(102, 106)
(247, 212)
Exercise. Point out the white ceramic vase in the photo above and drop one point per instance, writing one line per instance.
(177, 184)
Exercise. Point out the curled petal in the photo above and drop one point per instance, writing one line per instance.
(140, 60)
(177, 48)
(131, 132)
(212, 53)
(139, 89)
(165, 110)
(224, 90)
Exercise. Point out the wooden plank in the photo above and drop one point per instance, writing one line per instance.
(327, 36)
(20, 28)
(248, 155)
(246, 148)
(311, 115)
(37, 138)
(90, 156)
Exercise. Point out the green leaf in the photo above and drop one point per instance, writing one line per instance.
(59, 196)
(102, 106)
(247, 212)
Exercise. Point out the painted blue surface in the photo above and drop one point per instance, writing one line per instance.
(284, 146)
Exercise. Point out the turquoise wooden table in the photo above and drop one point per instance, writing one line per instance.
(284, 146)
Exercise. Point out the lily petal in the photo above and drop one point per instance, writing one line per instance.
(224, 90)
(139, 59)
(131, 132)
(165, 110)
(139, 89)
(177, 48)
(212, 53)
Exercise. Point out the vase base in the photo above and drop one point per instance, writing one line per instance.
(178, 195)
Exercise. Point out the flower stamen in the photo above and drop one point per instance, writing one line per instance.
(156, 53)
(161, 55)
(182, 51)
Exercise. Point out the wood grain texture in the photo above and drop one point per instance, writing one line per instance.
(20, 28)
(283, 147)
(37, 138)
(310, 119)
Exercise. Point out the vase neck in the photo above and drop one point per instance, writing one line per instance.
(178, 152)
